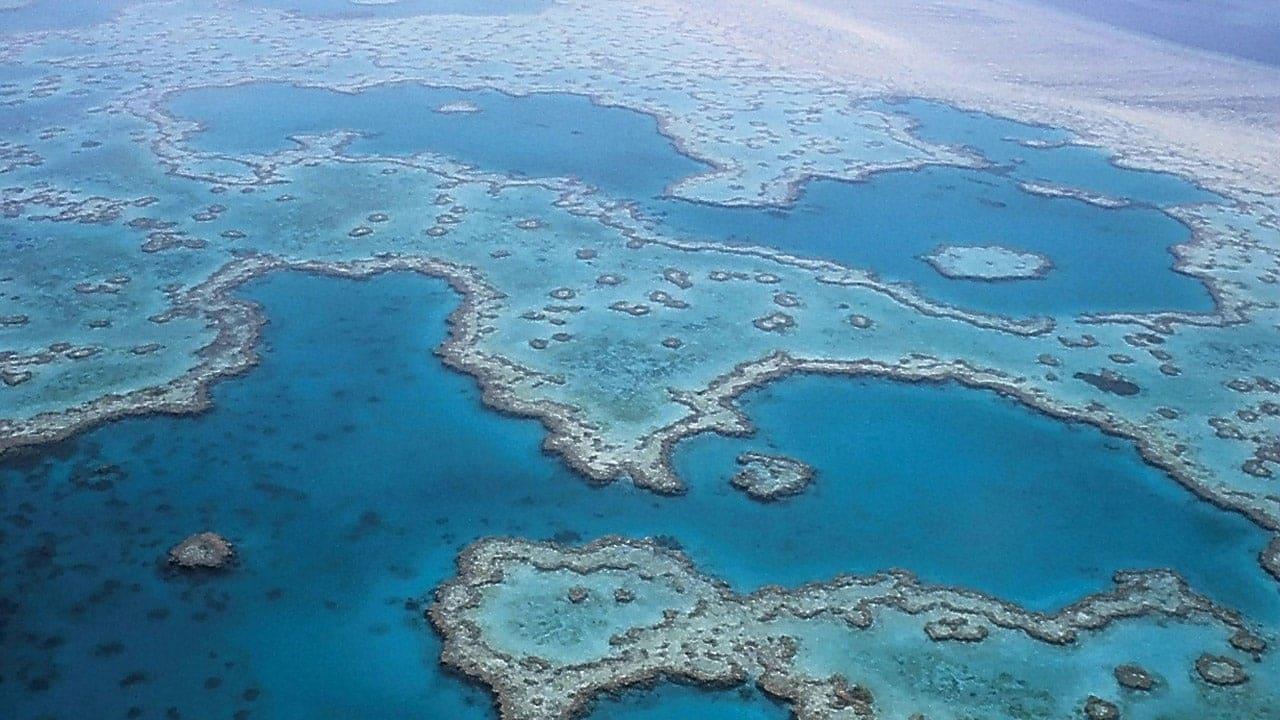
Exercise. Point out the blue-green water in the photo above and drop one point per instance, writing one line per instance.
(541, 135)
(350, 468)
(1105, 259)
(962, 483)
(1001, 141)
(886, 225)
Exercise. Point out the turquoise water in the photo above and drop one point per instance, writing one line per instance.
(1105, 259)
(1000, 140)
(540, 135)
(947, 481)
(403, 8)
(886, 225)
(350, 467)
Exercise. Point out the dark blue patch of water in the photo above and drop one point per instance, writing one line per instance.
(680, 702)
(948, 481)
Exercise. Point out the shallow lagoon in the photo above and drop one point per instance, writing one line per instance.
(351, 466)
(1105, 259)
(541, 135)
(887, 224)
(1005, 143)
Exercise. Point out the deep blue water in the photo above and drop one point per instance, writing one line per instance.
(1105, 259)
(351, 466)
(403, 8)
(964, 484)
(1248, 29)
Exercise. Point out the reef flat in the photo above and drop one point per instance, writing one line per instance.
(550, 629)
(769, 477)
(987, 262)
(586, 304)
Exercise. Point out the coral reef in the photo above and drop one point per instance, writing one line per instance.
(770, 477)
(541, 626)
(204, 550)
(987, 262)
